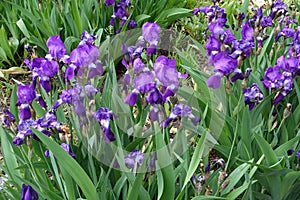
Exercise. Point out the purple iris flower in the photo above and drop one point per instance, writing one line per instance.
(150, 32)
(49, 68)
(134, 159)
(181, 110)
(96, 69)
(166, 72)
(104, 115)
(120, 10)
(67, 148)
(144, 82)
(138, 65)
(70, 72)
(86, 37)
(272, 77)
(247, 32)
(28, 193)
(155, 97)
(25, 112)
(65, 97)
(275, 79)
(26, 94)
(290, 64)
(266, 21)
(241, 47)
(213, 46)
(125, 2)
(286, 86)
(109, 2)
(229, 37)
(214, 13)
(90, 90)
(132, 24)
(56, 47)
(277, 8)
(8, 118)
(224, 65)
(132, 98)
(286, 33)
(23, 131)
(253, 96)
(84, 55)
(203, 9)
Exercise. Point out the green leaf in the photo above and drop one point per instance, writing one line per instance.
(195, 161)
(5, 44)
(288, 181)
(141, 18)
(235, 177)
(13, 100)
(9, 157)
(267, 150)
(238, 191)
(164, 158)
(170, 15)
(23, 27)
(160, 183)
(70, 164)
(282, 149)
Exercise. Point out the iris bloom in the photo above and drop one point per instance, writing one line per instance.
(28, 193)
(104, 115)
(134, 158)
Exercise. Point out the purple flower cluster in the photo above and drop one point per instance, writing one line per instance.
(280, 77)
(83, 61)
(120, 12)
(225, 51)
(43, 124)
(154, 84)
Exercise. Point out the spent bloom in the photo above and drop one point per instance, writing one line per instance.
(8, 118)
(28, 193)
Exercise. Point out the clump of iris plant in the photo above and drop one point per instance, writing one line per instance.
(226, 51)
(76, 70)
(156, 82)
(121, 13)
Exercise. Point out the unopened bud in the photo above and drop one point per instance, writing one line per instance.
(287, 110)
